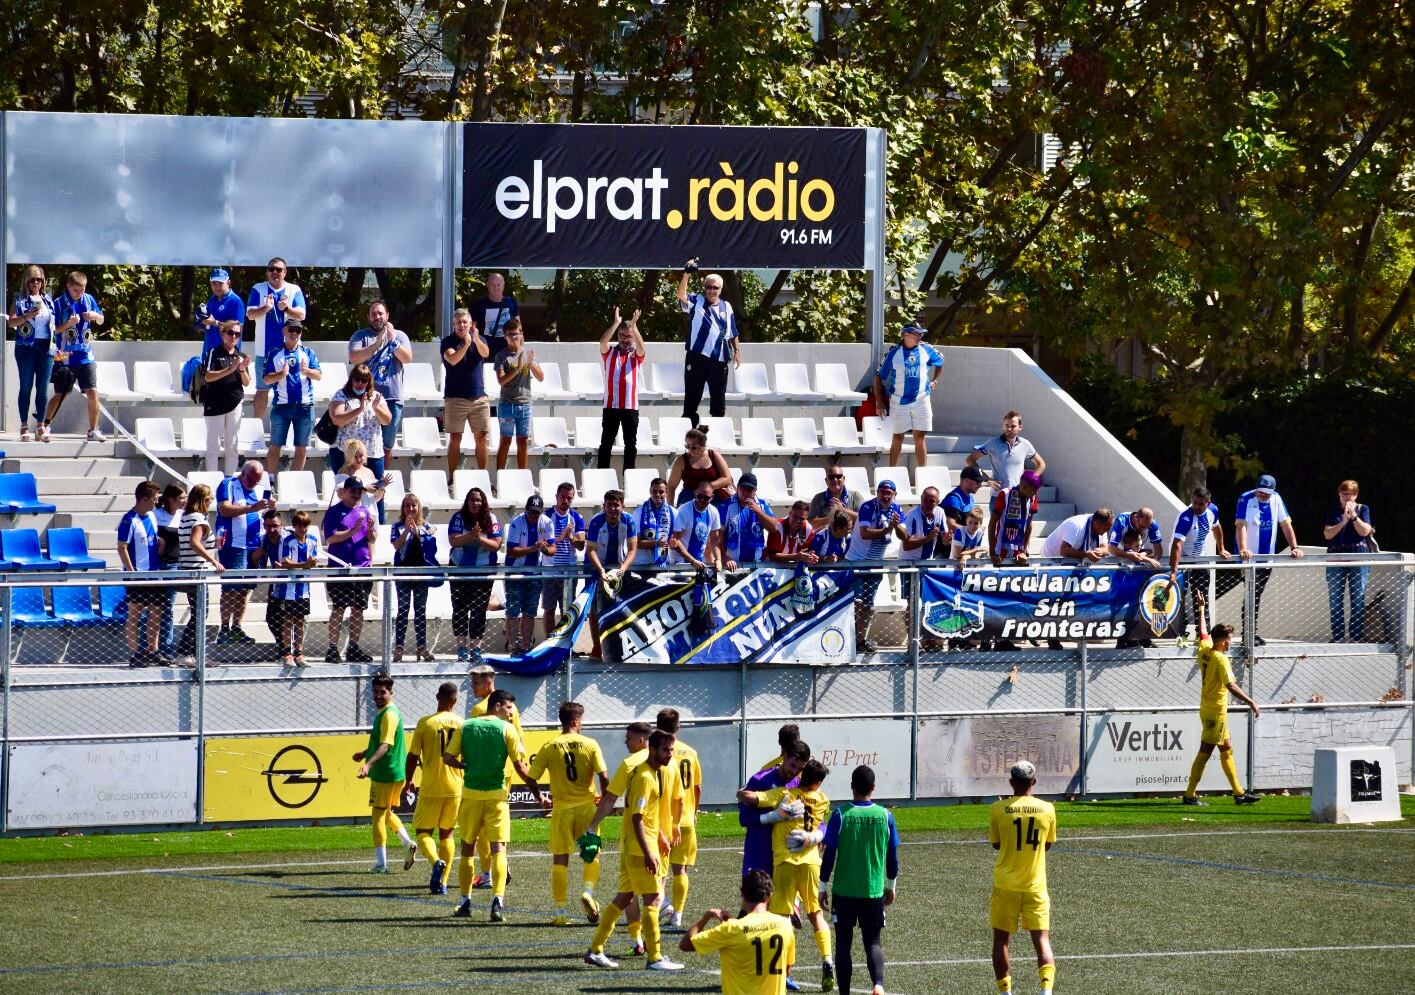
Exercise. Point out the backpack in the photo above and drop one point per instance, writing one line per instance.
(194, 377)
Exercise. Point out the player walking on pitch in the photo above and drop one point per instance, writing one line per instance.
(685, 849)
(796, 853)
(757, 946)
(440, 791)
(480, 749)
(384, 762)
(1217, 676)
(571, 762)
(862, 849)
(636, 742)
(483, 678)
(1021, 829)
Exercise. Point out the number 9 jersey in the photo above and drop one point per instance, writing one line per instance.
(1021, 827)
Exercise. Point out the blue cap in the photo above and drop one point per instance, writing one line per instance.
(1267, 482)
(886, 483)
(914, 328)
(219, 274)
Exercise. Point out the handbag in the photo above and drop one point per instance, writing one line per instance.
(198, 383)
(62, 380)
(325, 430)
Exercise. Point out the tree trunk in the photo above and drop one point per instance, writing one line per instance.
(185, 300)
(557, 301)
(1192, 470)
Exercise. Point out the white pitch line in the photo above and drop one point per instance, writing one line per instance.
(134, 871)
(1142, 954)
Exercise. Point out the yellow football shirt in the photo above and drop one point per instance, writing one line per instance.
(1022, 825)
(479, 709)
(690, 776)
(432, 736)
(817, 813)
(570, 762)
(619, 783)
(671, 794)
(1216, 672)
(756, 950)
(644, 798)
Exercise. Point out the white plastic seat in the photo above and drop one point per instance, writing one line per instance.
(840, 435)
(551, 388)
(886, 598)
(771, 487)
(154, 379)
(586, 381)
(550, 435)
(431, 487)
(904, 488)
(798, 436)
(465, 480)
(194, 435)
(672, 429)
(419, 384)
(513, 487)
(594, 482)
(112, 383)
(793, 382)
(550, 480)
(807, 482)
(877, 434)
(333, 376)
(383, 545)
(588, 429)
(637, 482)
(750, 380)
(722, 431)
(759, 436)
(296, 488)
(857, 480)
(328, 495)
(647, 444)
(157, 437)
(439, 599)
(319, 601)
(934, 476)
(250, 438)
(421, 437)
(393, 495)
(666, 379)
(211, 478)
(833, 380)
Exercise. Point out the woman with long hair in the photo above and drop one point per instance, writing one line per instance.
(414, 545)
(32, 319)
(475, 537)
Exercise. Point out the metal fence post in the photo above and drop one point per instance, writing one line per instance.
(201, 717)
(742, 726)
(6, 628)
(199, 628)
(1250, 648)
(389, 607)
(916, 611)
(1084, 664)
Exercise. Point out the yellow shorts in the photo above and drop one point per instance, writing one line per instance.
(567, 824)
(436, 813)
(1033, 908)
(484, 818)
(686, 852)
(1215, 728)
(791, 880)
(384, 794)
(634, 878)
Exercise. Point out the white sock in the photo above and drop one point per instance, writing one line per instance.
(403, 835)
(380, 855)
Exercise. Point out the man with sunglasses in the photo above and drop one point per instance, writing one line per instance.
(836, 499)
(697, 531)
(712, 335)
(271, 304)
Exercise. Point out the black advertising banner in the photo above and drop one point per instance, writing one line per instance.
(643, 197)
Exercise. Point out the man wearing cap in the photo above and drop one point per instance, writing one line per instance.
(528, 539)
(1008, 453)
(747, 523)
(879, 519)
(1021, 829)
(271, 304)
(712, 336)
(1263, 510)
(836, 499)
(1142, 520)
(290, 374)
(349, 530)
(903, 386)
(926, 537)
(958, 502)
(223, 305)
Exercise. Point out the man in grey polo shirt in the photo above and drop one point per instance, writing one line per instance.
(385, 350)
(1008, 453)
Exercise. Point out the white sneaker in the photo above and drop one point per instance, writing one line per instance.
(44, 433)
(94, 435)
(677, 921)
(25, 435)
(665, 915)
(664, 964)
(600, 959)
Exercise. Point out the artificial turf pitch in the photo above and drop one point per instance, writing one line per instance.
(1146, 897)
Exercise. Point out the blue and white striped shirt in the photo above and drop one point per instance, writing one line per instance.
(1196, 531)
(296, 550)
(905, 372)
(1263, 519)
(244, 531)
(473, 554)
(565, 548)
(743, 536)
(139, 534)
(655, 526)
(1121, 525)
(291, 388)
(710, 329)
(872, 516)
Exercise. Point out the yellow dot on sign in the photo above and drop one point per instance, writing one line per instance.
(675, 219)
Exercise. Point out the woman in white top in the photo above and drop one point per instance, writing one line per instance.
(193, 532)
(356, 465)
(360, 412)
(32, 319)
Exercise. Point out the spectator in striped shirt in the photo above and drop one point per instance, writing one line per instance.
(1142, 520)
(1197, 533)
(903, 388)
(290, 374)
(298, 551)
(622, 362)
(655, 526)
(139, 550)
(567, 528)
(611, 546)
(790, 541)
(1263, 510)
(712, 334)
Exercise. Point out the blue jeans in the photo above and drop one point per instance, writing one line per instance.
(35, 364)
(284, 417)
(1339, 579)
(514, 420)
(390, 431)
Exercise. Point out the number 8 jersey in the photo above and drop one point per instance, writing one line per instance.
(1021, 827)
(570, 762)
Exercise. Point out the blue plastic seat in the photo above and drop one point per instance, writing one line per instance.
(21, 547)
(113, 602)
(69, 548)
(28, 611)
(19, 495)
(73, 605)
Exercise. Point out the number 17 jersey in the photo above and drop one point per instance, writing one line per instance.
(430, 740)
(570, 761)
(1021, 826)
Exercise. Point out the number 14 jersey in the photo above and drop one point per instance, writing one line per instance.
(1021, 827)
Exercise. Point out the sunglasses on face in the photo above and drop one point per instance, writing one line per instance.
(836, 476)
(232, 334)
(275, 269)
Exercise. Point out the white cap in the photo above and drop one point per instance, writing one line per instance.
(1023, 770)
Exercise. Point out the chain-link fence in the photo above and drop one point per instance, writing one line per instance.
(939, 706)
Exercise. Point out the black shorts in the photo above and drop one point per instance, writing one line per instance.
(147, 596)
(279, 611)
(351, 594)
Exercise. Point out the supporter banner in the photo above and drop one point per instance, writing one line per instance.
(1153, 751)
(770, 615)
(547, 656)
(842, 746)
(633, 196)
(971, 756)
(1049, 603)
(1287, 740)
(69, 785)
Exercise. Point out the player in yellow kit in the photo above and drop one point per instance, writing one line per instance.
(440, 791)
(1021, 829)
(1217, 676)
(796, 854)
(571, 762)
(636, 742)
(757, 947)
(483, 678)
(643, 846)
(384, 762)
(685, 848)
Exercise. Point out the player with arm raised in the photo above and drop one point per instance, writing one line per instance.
(440, 791)
(572, 762)
(1021, 829)
(862, 845)
(1217, 676)
(685, 849)
(757, 947)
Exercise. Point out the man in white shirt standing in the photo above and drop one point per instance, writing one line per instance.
(1262, 510)
(712, 334)
(1197, 533)
(271, 304)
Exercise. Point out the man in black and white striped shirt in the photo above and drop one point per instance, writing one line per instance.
(712, 337)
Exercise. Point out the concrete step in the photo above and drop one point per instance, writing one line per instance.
(88, 466)
(90, 503)
(60, 447)
(96, 485)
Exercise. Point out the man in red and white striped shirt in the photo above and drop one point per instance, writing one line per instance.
(791, 541)
(622, 362)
